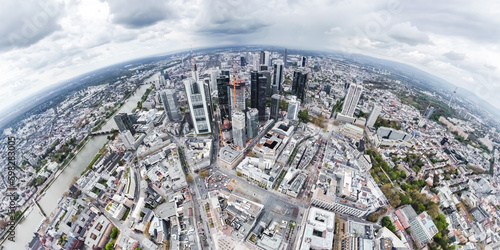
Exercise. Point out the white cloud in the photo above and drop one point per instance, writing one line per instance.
(457, 42)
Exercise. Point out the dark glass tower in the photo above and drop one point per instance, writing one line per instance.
(299, 85)
(275, 106)
(123, 122)
(258, 93)
(222, 89)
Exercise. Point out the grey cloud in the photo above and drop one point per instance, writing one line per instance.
(409, 34)
(139, 14)
(454, 56)
(456, 18)
(27, 22)
(230, 17)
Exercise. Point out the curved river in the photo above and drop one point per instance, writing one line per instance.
(25, 229)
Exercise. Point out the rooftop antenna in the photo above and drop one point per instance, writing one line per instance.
(193, 64)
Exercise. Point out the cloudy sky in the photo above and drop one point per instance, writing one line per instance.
(44, 42)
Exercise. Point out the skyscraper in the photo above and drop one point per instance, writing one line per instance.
(285, 58)
(128, 139)
(428, 112)
(239, 133)
(299, 85)
(258, 93)
(269, 88)
(252, 123)
(213, 78)
(293, 110)
(123, 122)
(327, 88)
(265, 58)
(278, 77)
(239, 91)
(222, 90)
(243, 62)
(171, 104)
(197, 101)
(275, 106)
(373, 116)
(351, 99)
(303, 62)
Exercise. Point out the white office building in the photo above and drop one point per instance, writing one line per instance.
(373, 116)
(197, 102)
(293, 110)
(239, 129)
(351, 99)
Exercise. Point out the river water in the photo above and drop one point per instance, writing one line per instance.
(25, 229)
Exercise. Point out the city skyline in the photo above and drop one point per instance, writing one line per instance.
(44, 37)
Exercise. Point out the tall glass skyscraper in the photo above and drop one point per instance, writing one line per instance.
(299, 85)
(239, 133)
(195, 92)
(258, 93)
(252, 123)
(275, 106)
(278, 78)
(123, 122)
(171, 104)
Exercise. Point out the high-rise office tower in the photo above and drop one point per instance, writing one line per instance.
(128, 139)
(327, 88)
(208, 96)
(275, 106)
(428, 112)
(293, 110)
(224, 73)
(222, 90)
(299, 85)
(243, 61)
(252, 123)
(351, 99)
(213, 78)
(239, 133)
(123, 122)
(303, 62)
(285, 58)
(197, 101)
(171, 104)
(265, 58)
(373, 116)
(258, 93)
(278, 77)
(269, 88)
(239, 91)
(162, 79)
